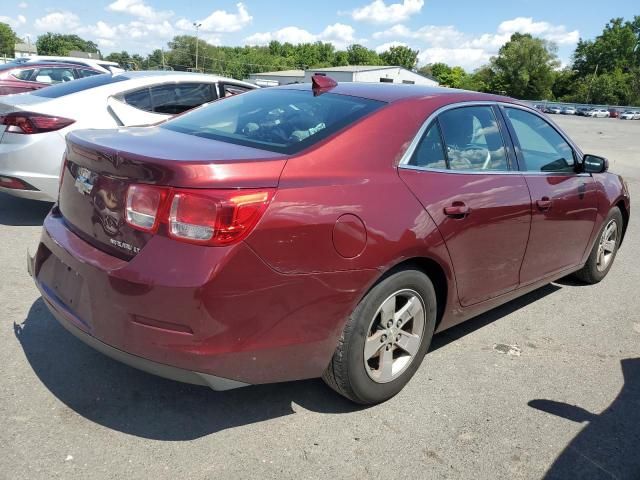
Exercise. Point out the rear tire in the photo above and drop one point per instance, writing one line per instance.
(604, 250)
(392, 327)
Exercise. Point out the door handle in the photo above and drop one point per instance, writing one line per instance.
(544, 204)
(457, 210)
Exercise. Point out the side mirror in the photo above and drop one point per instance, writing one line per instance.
(594, 164)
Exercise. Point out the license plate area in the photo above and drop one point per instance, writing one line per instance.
(68, 287)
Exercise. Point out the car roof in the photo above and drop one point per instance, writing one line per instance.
(43, 63)
(389, 92)
(169, 75)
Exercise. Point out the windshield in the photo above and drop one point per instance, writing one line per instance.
(278, 120)
(67, 88)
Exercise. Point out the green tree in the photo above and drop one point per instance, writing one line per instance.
(359, 55)
(400, 56)
(617, 47)
(59, 44)
(8, 39)
(524, 67)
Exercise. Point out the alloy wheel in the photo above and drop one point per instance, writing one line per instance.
(607, 245)
(394, 336)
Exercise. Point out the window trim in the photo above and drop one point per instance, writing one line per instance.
(512, 158)
(433, 118)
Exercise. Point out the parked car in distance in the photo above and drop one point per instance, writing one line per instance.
(569, 111)
(598, 113)
(555, 109)
(583, 111)
(630, 115)
(614, 113)
(103, 66)
(33, 125)
(317, 230)
(27, 77)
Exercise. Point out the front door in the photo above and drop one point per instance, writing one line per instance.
(461, 174)
(564, 202)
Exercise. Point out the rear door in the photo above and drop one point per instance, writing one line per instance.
(564, 201)
(461, 171)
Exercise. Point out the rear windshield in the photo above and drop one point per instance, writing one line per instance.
(278, 120)
(67, 88)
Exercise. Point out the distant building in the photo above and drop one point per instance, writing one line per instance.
(79, 54)
(350, 73)
(372, 74)
(273, 79)
(25, 50)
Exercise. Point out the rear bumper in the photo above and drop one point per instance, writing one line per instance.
(64, 316)
(214, 316)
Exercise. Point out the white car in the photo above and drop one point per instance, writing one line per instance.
(569, 111)
(101, 65)
(630, 115)
(33, 126)
(598, 113)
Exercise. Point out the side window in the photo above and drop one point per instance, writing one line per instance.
(229, 89)
(542, 148)
(430, 153)
(472, 139)
(54, 75)
(84, 72)
(23, 74)
(177, 98)
(140, 99)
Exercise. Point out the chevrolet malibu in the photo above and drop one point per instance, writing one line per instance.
(318, 230)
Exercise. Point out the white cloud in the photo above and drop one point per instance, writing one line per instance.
(14, 22)
(467, 58)
(339, 34)
(553, 33)
(57, 21)
(386, 46)
(23, 5)
(379, 12)
(220, 21)
(448, 44)
(138, 8)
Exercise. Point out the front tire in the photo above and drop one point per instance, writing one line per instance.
(604, 250)
(385, 339)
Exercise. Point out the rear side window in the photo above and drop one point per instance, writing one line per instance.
(278, 120)
(229, 89)
(85, 72)
(430, 153)
(140, 99)
(180, 97)
(472, 139)
(23, 74)
(62, 89)
(542, 148)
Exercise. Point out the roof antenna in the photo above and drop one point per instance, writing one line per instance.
(321, 83)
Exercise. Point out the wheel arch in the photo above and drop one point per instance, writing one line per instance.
(625, 217)
(433, 270)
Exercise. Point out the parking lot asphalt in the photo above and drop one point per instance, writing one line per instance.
(547, 386)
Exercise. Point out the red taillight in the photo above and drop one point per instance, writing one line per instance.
(14, 183)
(27, 123)
(205, 217)
(217, 217)
(143, 206)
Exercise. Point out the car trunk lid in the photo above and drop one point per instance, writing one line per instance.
(101, 164)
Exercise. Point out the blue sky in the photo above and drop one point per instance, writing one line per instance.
(460, 32)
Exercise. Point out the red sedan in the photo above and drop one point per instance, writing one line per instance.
(326, 230)
(26, 77)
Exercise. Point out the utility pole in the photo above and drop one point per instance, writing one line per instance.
(197, 25)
